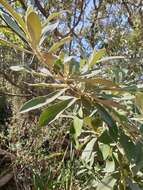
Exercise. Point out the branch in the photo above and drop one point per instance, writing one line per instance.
(129, 12)
(17, 95)
(23, 4)
(41, 9)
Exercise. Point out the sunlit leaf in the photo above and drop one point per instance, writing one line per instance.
(49, 28)
(139, 101)
(13, 25)
(40, 101)
(107, 183)
(110, 166)
(48, 85)
(48, 58)
(54, 111)
(56, 45)
(17, 68)
(14, 14)
(113, 130)
(106, 150)
(94, 81)
(53, 15)
(110, 58)
(34, 27)
(95, 56)
(88, 150)
(78, 123)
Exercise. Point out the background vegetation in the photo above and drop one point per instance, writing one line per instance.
(71, 100)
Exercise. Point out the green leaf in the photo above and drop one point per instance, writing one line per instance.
(46, 30)
(141, 129)
(95, 56)
(14, 14)
(49, 85)
(113, 130)
(40, 101)
(78, 123)
(105, 137)
(17, 68)
(54, 111)
(133, 185)
(53, 16)
(139, 101)
(88, 151)
(128, 146)
(49, 28)
(13, 25)
(76, 128)
(110, 58)
(110, 166)
(56, 45)
(97, 80)
(106, 150)
(34, 27)
(107, 183)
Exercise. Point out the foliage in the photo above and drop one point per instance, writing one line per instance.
(91, 94)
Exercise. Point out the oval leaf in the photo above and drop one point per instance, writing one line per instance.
(34, 27)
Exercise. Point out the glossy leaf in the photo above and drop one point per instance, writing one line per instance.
(13, 25)
(56, 45)
(95, 56)
(34, 27)
(46, 30)
(49, 85)
(54, 111)
(113, 130)
(40, 101)
(139, 101)
(128, 146)
(14, 14)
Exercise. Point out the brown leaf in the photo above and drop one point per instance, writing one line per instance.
(48, 58)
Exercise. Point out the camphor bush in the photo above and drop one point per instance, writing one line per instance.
(96, 116)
